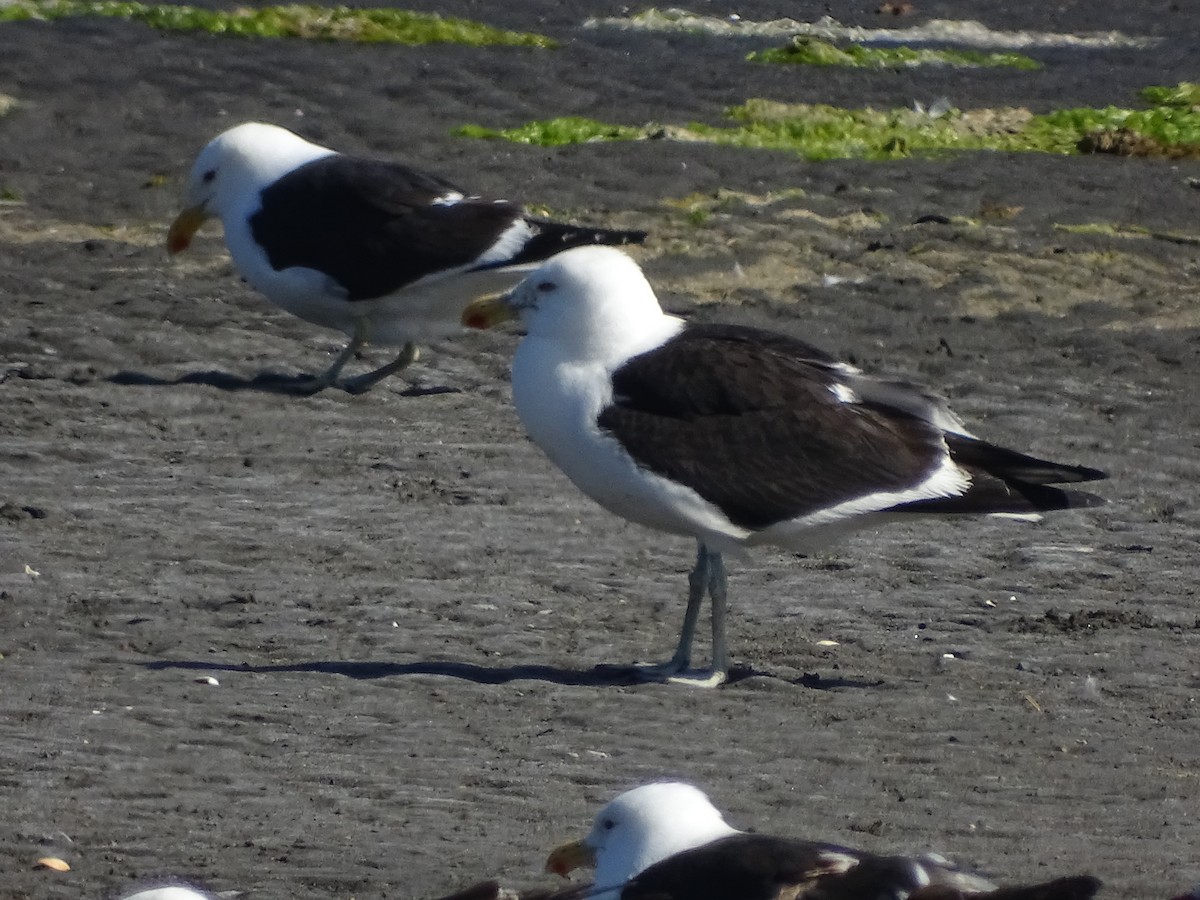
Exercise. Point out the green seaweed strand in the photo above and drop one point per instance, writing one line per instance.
(337, 23)
(817, 131)
(815, 52)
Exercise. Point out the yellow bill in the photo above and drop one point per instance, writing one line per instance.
(566, 859)
(185, 226)
(488, 312)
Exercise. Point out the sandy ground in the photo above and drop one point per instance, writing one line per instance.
(404, 604)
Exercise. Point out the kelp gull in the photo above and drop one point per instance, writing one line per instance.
(666, 841)
(734, 435)
(371, 248)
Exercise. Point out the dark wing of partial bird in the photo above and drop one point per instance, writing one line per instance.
(1072, 887)
(751, 421)
(375, 226)
(758, 867)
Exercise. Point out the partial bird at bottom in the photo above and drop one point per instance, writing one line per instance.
(666, 841)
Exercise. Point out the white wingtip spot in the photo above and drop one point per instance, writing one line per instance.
(844, 394)
(838, 863)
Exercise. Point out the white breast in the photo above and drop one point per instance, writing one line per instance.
(559, 402)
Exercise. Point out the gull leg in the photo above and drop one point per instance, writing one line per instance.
(718, 585)
(697, 585)
(329, 376)
(713, 576)
(676, 670)
(408, 355)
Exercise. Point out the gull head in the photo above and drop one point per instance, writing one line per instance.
(594, 300)
(639, 828)
(230, 172)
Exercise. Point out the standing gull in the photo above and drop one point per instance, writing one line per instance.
(734, 435)
(666, 841)
(380, 251)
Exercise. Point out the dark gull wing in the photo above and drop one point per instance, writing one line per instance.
(374, 227)
(758, 867)
(761, 425)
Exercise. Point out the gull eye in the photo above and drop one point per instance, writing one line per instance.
(608, 824)
(208, 176)
(545, 286)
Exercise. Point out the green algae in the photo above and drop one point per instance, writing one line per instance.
(812, 131)
(555, 132)
(812, 51)
(1186, 93)
(336, 23)
(818, 131)
(698, 208)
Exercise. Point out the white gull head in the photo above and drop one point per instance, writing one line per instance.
(234, 166)
(594, 305)
(649, 823)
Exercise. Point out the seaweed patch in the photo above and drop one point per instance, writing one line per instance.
(818, 131)
(334, 23)
(811, 51)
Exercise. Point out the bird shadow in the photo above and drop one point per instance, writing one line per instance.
(817, 682)
(598, 676)
(265, 382)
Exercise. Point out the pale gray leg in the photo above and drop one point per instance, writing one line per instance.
(329, 376)
(708, 571)
(718, 592)
(697, 586)
(712, 578)
(408, 355)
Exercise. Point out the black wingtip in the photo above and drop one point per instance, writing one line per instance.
(1080, 474)
(550, 238)
(1011, 465)
(632, 237)
(989, 495)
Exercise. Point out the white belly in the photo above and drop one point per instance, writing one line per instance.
(559, 411)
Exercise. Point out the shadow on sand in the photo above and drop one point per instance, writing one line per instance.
(264, 382)
(599, 676)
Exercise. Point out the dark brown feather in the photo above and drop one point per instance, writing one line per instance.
(1075, 887)
(741, 867)
(748, 419)
(759, 867)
